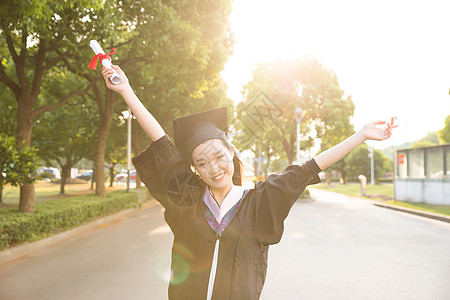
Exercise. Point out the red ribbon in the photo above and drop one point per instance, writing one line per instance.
(100, 56)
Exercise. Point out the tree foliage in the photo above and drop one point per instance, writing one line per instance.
(444, 133)
(172, 51)
(181, 74)
(8, 108)
(303, 83)
(66, 135)
(169, 52)
(431, 139)
(358, 163)
(30, 38)
(420, 144)
(116, 146)
(17, 167)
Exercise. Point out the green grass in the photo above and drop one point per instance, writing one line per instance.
(374, 192)
(47, 191)
(382, 192)
(438, 209)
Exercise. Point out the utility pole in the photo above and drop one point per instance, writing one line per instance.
(298, 115)
(372, 165)
(129, 116)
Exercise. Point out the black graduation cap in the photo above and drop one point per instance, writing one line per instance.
(190, 131)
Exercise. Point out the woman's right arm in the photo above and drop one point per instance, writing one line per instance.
(143, 116)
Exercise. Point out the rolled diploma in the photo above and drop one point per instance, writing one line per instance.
(115, 78)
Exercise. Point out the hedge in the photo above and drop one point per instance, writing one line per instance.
(53, 217)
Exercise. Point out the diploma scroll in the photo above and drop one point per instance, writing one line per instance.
(105, 60)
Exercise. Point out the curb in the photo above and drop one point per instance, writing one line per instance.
(421, 213)
(29, 248)
(416, 212)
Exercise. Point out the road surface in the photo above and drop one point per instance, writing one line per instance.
(334, 247)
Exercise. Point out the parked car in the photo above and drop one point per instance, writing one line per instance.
(48, 172)
(123, 176)
(86, 175)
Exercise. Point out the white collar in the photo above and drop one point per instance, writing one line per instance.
(233, 196)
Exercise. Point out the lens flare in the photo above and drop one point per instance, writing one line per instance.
(180, 269)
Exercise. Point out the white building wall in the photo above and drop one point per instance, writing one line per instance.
(423, 190)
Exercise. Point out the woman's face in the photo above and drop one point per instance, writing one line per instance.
(214, 162)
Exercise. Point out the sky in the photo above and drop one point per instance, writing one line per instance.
(392, 57)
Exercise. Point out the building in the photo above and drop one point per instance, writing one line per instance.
(423, 175)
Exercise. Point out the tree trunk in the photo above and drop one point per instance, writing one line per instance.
(343, 176)
(288, 146)
(138, 181)
(289, 153)
(106, 110)
(1, 188)
(26, 204)
(136, 140)
(93, 177)
(111, 174)
(65, 173)
(24, 129)
(100, 189)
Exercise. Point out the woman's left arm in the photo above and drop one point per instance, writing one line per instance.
(371, 131)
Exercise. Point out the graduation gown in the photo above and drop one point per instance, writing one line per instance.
(244, 244)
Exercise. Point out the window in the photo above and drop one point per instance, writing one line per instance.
(416, 164)
(402, 169)
(447, 161)
(434, 162)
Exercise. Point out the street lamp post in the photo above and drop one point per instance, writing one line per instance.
(372, 165)
(128, 149)
(298, 115)
(127, 115)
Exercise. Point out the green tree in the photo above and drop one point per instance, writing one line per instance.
(173, 50)
(116, 146)
(31, 34)
(431, 139)
(17, 167)
(307, 84)
(420, 144)
(382, 164)
(358, 163)
(66, 135)
(8, 108)
(444, 133)
(169, 52)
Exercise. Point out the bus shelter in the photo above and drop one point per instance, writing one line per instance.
(423, 175)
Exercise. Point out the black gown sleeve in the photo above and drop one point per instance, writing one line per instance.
(167, 175)
(276, 196)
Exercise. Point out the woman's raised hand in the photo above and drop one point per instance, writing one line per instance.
(374, 130)
(121, 87)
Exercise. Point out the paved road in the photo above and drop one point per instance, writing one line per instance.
(334, 247)
(343, 248)
(122, 260)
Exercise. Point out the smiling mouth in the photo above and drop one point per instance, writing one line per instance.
(218, 177)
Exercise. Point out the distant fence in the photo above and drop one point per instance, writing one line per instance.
(423, 175)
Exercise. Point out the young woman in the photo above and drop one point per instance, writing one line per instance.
(222, 232)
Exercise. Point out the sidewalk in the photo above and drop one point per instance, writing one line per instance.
(30, 248)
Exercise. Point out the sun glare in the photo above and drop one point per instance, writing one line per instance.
(392, 57)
